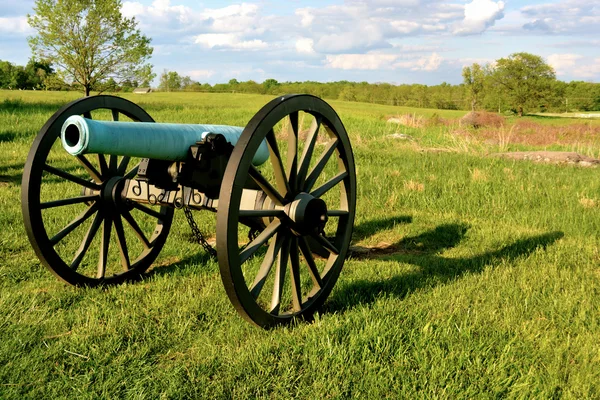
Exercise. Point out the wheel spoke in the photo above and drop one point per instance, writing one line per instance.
(266, 186)
(310, 261)
(136, 228)
(122, 243)
(280, 276)
(337, 213)
(261, 239)
(87, 240)
(66, 202)
(295, 275)
(132, 172)
(90, 168)
(316, 171)
(307, 152)
(266, 265)
(115, 114)
(326, 243)
(112, 166)
(103, 259)
(262, 213)
(123, 165)
(87, 114)
(324, 188)
(103, 166)
(292, 153)
(280, 177)
(81, 218)
(148, 210)
(72, 178)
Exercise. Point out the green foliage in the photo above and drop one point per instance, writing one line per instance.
(526, 79)
(474, 80)
(35, 75)
(89, 41)
(169, 80)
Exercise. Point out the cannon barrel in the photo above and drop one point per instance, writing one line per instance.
(144, 139)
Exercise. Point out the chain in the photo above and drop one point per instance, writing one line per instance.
(197, 235)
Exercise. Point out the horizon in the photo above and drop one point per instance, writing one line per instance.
(380, 41)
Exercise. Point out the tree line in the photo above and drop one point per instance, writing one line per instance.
(519, 83)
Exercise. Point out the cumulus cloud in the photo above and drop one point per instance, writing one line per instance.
(382, 61)
(563, 17)
(479, 15)
(430, 63)
(361, 61)
(15, 25)
(575, 65)
(200, 74)
(305, 45)
(229, 41)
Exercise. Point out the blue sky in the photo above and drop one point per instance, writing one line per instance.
(396, 41)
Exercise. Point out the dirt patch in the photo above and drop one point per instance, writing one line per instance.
(532, 133)
(555, 157)
(380, 249)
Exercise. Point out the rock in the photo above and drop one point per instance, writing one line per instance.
(557, 157)
(402, 136)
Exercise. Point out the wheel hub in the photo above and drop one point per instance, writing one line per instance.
(307, 214)
(111, 192)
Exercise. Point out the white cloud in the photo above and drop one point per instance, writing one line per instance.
(563, 17)
(158, 9)
(430, 63)
(360, 61)
(479, 15)
(229, 41)
(15, 25)
(200, 74)
(306, 17)
(305, 45)
(575, 65)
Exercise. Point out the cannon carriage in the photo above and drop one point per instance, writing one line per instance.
(102, 181)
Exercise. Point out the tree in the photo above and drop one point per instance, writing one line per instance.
(526, 79)
(474, 80)
(88, 40)
(169, 80)
(37, 73)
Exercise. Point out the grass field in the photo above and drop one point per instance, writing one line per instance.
(482, 279)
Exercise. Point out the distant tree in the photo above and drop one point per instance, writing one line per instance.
(169, 80)
(269, 85)
(526, 79)
(89, 40)
(37, 73)
(474, 80)
(187, 83)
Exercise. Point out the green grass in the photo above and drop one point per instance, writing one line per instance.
(483, 281)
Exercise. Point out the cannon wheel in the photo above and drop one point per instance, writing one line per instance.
(310, 198)
(96, 182)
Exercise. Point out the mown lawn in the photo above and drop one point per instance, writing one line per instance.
(478, 277)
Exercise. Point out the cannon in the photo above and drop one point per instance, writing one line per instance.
(102, 181)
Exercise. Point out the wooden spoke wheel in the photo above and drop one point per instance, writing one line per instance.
(78, 223)
(309, 184)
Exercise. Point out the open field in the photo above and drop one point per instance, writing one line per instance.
(481, 279)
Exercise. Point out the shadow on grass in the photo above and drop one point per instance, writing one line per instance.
(178, 267)
(434, 270)
(29, 107)
(369, 228)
